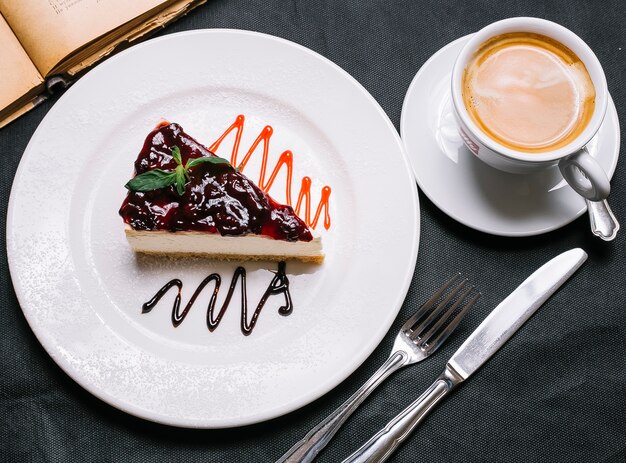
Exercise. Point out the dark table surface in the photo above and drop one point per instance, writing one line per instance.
(556, 392)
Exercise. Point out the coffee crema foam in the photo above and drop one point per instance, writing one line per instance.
(528, 92)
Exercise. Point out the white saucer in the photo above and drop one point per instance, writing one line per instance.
(472, 192)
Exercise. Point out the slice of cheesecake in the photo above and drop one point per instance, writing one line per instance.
(184, 200)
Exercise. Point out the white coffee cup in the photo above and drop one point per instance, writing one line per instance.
(572, 158)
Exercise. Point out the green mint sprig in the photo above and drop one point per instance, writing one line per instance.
(159, 178)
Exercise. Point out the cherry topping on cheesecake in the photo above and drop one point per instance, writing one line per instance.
(206, 196)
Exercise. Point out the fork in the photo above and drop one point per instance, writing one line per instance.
(420, 336)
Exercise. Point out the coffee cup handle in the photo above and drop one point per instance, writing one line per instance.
(585, 176)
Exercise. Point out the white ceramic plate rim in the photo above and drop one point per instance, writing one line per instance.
(451, 213)
(362, 352)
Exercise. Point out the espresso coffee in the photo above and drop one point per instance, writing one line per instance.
(528, 92)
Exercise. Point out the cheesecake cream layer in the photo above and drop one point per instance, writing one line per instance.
(213, 245)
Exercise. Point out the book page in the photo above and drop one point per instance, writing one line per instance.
(50, 30)
(125, 37)
(20, 78)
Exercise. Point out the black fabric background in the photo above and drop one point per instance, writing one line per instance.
(555, 393)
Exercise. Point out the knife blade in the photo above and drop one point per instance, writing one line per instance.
(513, 312)
(490, 335)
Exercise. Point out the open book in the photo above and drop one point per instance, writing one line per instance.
(46, 42)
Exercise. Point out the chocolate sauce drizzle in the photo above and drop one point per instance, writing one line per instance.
(278, 285)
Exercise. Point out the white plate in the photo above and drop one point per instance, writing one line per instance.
(81, 288)
(472, 192)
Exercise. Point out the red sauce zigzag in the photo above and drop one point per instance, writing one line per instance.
(286, 159)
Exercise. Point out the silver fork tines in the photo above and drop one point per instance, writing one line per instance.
(420, 336)
(428, 321)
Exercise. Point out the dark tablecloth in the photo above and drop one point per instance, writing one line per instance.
(556, 392)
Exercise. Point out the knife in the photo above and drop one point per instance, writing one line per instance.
(490, 335)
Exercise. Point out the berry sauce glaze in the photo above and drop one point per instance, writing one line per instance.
(217, 199)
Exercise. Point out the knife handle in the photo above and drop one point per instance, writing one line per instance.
(387, 440)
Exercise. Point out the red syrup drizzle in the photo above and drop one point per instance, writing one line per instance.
(278, 285)
(286, 158)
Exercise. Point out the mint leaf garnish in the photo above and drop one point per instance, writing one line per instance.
(181, 181)
(159, 178)
(151, 180)
(176, 155)
(210, 159)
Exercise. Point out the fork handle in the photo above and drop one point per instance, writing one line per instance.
(387, 440)
(307, 449)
